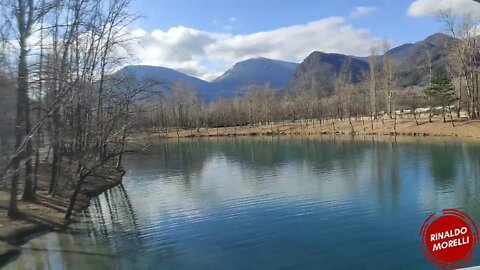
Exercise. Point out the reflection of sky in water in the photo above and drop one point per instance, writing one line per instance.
(272, 203)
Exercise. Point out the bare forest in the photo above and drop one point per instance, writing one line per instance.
(61, 110)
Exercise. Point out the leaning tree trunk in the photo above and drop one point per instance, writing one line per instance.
(73, 199)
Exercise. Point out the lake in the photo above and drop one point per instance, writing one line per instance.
(269, 203)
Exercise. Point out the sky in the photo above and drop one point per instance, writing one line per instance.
(204, 38)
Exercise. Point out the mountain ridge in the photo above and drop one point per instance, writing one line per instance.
(255, 71)
(319, 69)
(316, 70)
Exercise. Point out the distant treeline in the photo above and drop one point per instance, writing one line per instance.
(182, 108)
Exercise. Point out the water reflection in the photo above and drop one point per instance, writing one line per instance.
(443, 166)
(269, 203)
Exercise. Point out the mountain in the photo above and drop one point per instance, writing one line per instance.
(255, 71)
(412, 60)
(166, 78)
(319, 70)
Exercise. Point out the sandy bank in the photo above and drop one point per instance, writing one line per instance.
(408, 127)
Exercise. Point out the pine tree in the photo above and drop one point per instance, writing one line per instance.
(441, 92)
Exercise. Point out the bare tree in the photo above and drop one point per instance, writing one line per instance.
(388, 78)
(78, 48)
(373, 84)
(25, 15)
(465, 53)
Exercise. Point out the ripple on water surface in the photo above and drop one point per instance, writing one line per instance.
(297, 203)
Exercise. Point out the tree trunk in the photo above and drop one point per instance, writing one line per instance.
(37, 162)
(351, 125)
(25, 106)
(395, 124)
(443, 114)
(451, 117)
(459, 99)
(13, 209)
(22, 104)
(371, 121)
(73, 199)
(124, 137)
(28, 192)
(477, 96)
(56, 153)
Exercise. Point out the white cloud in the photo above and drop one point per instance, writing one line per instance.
(421, 8)
(362, 12)
(207, 54)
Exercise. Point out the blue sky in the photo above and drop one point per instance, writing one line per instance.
(389, 21)
(203, 38)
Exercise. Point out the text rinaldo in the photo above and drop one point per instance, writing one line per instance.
(459, 239)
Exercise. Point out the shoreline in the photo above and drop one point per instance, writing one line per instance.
(45, 215)
(467, 129)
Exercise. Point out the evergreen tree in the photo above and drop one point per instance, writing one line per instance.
(441, 92)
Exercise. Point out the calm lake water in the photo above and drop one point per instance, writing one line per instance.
(269, 203)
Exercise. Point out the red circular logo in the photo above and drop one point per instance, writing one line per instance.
(449, 240)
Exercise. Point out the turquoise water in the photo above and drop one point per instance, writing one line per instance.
(269, 203)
